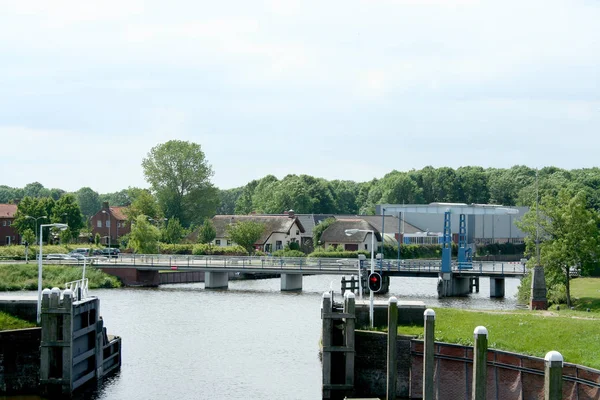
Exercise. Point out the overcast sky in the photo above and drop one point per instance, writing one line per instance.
(335, 89)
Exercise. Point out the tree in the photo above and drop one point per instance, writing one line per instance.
(569, 237)
(320, 228)
(228, 199)
(180, 176)
(245, 233)
(143, 203)
(28, 236)
(207, 232)
(88, 201)
(144, 236)
(67, 211)
(173, 232)
(31, 213)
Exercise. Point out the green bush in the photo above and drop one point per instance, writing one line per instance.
(288, 253)
(166, 248)
(339, 254)
(206, 249)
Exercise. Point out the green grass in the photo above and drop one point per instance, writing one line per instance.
(576, 335)
(25, 277)
(585, 293)
(8, 322)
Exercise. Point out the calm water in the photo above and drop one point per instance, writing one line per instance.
(249, 342)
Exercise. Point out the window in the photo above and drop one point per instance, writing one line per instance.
(297, 232)
(3, 223)
(218, 242)
(108, 223)
(268, 247)
(367, 247)
(228, 242)
(118, 224)
(99, 224)
(9, 223)
(278, 245)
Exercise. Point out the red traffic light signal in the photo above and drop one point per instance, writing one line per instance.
(375, 282)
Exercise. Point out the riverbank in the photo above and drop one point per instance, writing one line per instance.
(8, 322)
(573, 333)
(14, 277)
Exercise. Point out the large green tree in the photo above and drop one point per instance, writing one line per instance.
(31, 213)
(179, 174)
(245, 233)
(143, 203)
(569, 236)
(67, 211)
(173, 231)
(144, 236)
(88, 200)
(207, 232)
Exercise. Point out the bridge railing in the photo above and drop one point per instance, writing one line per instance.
(307, 264)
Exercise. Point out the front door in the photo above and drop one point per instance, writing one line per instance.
(7, 240)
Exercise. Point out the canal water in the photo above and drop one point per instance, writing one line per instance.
(248, 342)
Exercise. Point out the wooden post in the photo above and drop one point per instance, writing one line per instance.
(349, 308)
(553, 376)
(428, 354)
(392, 358)
(326, 309)
(480, 364)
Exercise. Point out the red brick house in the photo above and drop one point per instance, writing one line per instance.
(110, 221)
(8, 235)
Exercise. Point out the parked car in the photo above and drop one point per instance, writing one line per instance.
(77, 256)
(82, 250)
(59, 257)
(111, 252)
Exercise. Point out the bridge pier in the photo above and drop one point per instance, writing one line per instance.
(450, 285)
(216, 280)
(496, 287)
(291, 282)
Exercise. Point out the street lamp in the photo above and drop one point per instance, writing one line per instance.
(350, 232)
(35, 219)
(39, 302)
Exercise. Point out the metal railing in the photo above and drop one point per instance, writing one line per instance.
(79, 289)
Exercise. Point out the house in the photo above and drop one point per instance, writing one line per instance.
(335, 235)
(390, 228)
(280, 230)
(110, 223)
(8, 234)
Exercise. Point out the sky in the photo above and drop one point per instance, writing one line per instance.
(347, 89)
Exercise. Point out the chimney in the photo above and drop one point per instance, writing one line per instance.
(291, 214)
(105, 204)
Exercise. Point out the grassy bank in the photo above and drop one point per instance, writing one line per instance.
(25, 277)
(574, 333)
(576, 337)
(8, 322)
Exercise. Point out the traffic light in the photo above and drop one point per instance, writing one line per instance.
(375, 282)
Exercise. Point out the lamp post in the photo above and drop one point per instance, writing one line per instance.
(350, 232)
(39, 301)
(35, 219)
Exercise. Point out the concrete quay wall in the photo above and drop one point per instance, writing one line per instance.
(509, 375)
(20, 361)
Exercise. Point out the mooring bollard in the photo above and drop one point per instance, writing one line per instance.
(553, 376)
(391, 347)
(480, 363)
(428, 354)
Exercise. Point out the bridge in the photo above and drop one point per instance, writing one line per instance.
(143, 270)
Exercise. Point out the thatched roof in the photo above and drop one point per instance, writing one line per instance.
(336, 232)
(272, 223)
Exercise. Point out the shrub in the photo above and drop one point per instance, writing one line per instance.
(165, 248)
(205, 249)
(288, 253)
